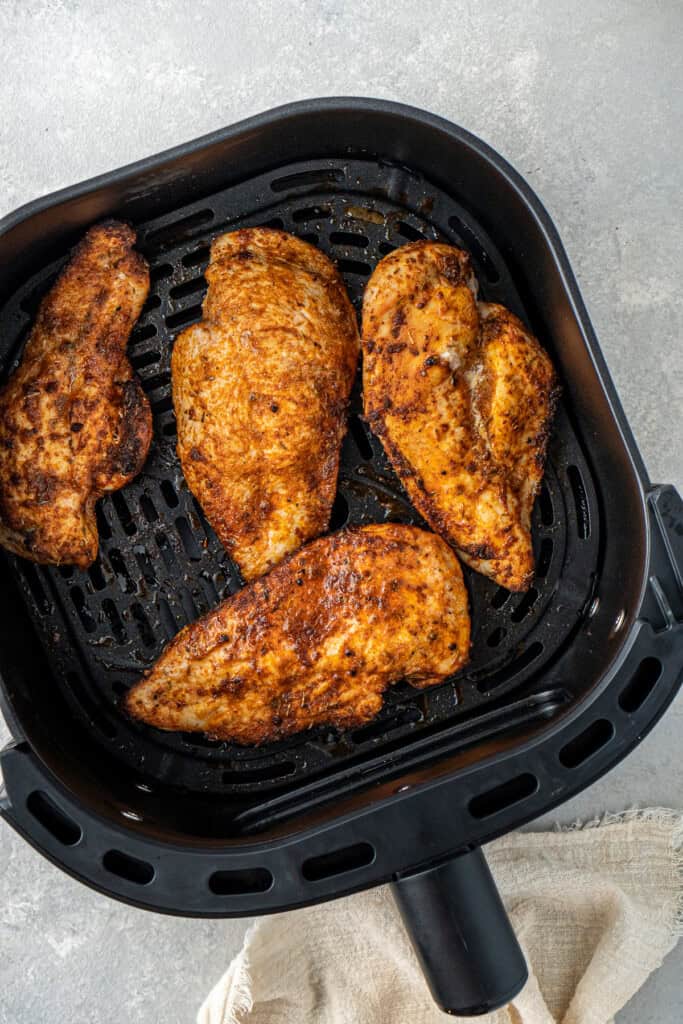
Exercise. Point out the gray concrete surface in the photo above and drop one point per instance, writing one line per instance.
(583, 100)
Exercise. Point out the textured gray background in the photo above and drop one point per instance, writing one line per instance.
(585, 100)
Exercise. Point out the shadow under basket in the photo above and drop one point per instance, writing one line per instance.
(564, 680)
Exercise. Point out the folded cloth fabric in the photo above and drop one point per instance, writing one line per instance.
(595, 907)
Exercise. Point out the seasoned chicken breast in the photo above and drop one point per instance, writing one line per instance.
(316, 641)
(260, 388)
(74, 422)
(462, 397)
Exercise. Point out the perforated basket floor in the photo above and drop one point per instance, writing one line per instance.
(160, 565)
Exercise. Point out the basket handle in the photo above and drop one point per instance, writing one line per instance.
(462, 935)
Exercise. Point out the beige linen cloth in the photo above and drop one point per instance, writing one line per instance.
(596, 908)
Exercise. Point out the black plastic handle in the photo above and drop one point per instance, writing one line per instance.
(462, 935)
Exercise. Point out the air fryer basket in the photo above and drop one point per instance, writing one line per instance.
(563, 680)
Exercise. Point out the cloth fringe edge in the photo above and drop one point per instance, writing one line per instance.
(664, 816)
(240, 994)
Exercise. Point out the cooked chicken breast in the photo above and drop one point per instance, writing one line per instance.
(316, 641)
(462, 397)
(74, 422)
(260, 389)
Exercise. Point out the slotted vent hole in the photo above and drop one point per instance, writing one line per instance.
(360, 437)
(192, 549)
(143, 332)
(147, 508)
(114, 619)
(525, 605)
(63, 828)
(103, 527)
(158, 380)
(545, 555)
(184, 317)
(339, 862)
(546, 506)
(309, 213)
(587, 743)
(500, 598)
(162, 405)
(123, 513)
(84, 614)
(197, 257)
(302, 179)
(169, 493)
(209, 584)
(188, 602)
(240, 883)
(409, 232)
(348, 238)
(386, 247)
(124, 865)
(201, 518)
(275, 222)
(354, 267)
(309, 236)
(340, 512)
(194, 287)
(160, 273)
(153, 302)
(640, 685)
(167, 618)
(144, 359)
(35, 585)
(503, 796)
(144, 629)
(496, 637)
(166, 552)
(96, 575)
(118, 564)
(583, 524)
(146, 567)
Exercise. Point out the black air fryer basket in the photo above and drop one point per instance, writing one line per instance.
(563, 682)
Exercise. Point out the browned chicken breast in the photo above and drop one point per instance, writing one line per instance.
(462, 397)
(74, 422)
(260, 389)
(316, 641)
